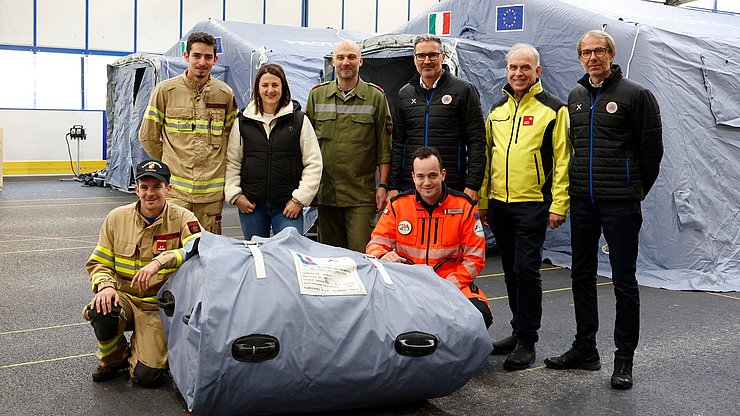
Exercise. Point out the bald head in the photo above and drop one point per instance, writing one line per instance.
(345, 46)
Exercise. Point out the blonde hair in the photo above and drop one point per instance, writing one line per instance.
(610, 43)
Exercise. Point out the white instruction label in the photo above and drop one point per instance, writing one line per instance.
(327, 276)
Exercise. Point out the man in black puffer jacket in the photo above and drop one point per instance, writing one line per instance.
(617, 142)
(437, 109)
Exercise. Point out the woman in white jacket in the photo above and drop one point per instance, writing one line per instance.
(273, 160)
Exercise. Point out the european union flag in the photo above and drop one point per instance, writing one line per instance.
(510, 18)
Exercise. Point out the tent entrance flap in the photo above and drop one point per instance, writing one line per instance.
(389, 73)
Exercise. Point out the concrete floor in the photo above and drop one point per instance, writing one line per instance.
(687, 362)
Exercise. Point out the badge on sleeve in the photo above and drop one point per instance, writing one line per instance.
(478, 229)
(194, 227)
(404, 227)
(161, 245)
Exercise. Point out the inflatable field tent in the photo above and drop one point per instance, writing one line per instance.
(689, 59)
(244, 47)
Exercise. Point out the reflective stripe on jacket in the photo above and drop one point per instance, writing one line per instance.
(354, 133)
(127, 242)
(188, 128)
(449, 238)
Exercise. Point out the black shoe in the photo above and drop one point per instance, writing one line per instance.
(575, 358)
(622, 376)
(522, 357)
(105, 373)
(505, 346)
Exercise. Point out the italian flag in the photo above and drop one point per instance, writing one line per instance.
(439, 23)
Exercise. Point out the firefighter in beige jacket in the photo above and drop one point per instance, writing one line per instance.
(139, 246)
(186, 125)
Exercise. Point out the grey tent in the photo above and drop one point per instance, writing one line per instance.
(244, 48)
(691, 232)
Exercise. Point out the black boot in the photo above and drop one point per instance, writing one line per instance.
(585, 359)
(622, 375)
(522, 357)
(505, 346)
(105, 373)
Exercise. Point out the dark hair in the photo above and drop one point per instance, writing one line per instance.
(425, 152)
(201, 37)
(429, 38)
(272, 69)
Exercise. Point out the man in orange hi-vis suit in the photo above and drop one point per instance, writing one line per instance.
(437, 226)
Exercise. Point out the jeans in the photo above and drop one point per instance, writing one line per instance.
(520, 228)
(620, 222)
(258, 222)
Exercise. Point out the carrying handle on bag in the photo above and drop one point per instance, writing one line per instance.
(259, 259)
(167, 302)
(255, 348)
(416, 344)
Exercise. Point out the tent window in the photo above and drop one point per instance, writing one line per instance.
(722, 82)
(137, 81)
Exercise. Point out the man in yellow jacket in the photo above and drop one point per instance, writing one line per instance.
(525, 188)
(139, 245)
(187, 125)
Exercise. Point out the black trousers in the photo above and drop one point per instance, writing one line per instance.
(520, 229)
(620, 222)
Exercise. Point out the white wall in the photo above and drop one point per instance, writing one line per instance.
(80, 37)
(40, 134)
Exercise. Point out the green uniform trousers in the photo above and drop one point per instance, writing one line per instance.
(348, 227)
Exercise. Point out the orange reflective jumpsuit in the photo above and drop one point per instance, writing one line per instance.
(447, 236)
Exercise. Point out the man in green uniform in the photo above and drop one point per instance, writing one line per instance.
(353, 125)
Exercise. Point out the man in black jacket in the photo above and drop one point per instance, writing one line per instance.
(437, 109)
(617, 141)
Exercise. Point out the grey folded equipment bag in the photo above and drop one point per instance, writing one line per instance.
(288, 325)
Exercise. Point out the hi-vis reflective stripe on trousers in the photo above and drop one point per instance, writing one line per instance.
(198, 187)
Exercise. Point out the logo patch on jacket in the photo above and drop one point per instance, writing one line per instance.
(388, 125)
(453, 211)
(528, 121)
(161, 245)
(194, 227)
(404, 227)
(611, 107)
(215, 105)
(172, 236)
(478, 229)
(446, 99)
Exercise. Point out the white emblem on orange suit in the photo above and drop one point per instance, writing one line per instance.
(404, 227)
(478, 229)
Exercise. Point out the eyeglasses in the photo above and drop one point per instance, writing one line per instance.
(599, 52)
(423, 56)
